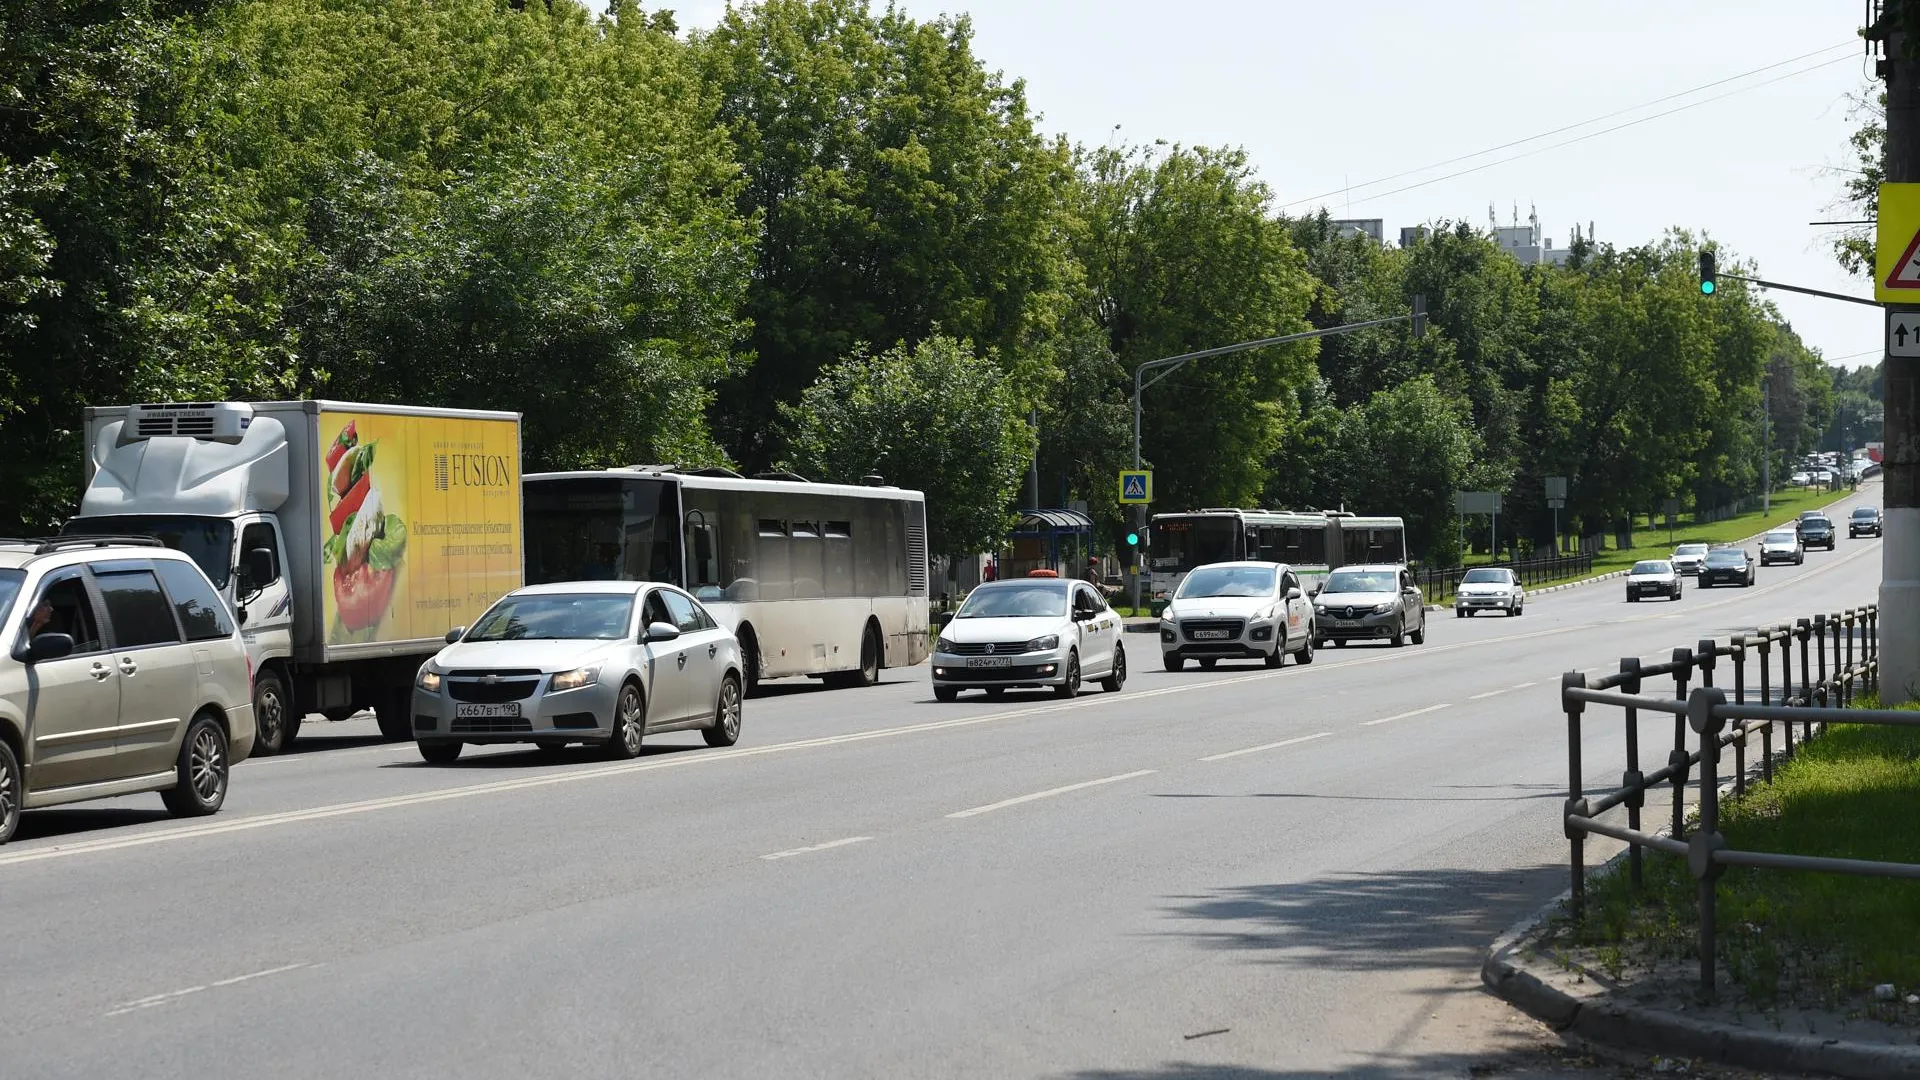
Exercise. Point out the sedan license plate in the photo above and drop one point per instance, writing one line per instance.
(989, 661)
(510, 710)
(1211, 635)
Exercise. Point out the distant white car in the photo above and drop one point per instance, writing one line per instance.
(1237, 610)
(1689, 558)
(1802, 479)
(1030, 632)
(1653, 577)
(1489, 588)
(1782, 545)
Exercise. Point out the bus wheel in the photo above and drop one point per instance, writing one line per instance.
(750, 659)
(868, 673)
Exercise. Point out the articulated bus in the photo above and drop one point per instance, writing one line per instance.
(824, 580)
(1313, 542)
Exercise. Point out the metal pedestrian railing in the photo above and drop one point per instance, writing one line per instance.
(1440, 585)
(1759, 705)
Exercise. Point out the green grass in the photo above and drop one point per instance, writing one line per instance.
(1792, 937)
(1653, 542)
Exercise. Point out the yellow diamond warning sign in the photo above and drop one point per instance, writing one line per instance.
(1896, 248)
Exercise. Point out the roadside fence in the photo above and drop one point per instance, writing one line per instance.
(1764, 700)
(1441, 585)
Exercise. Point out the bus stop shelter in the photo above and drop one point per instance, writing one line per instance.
(1057, 540)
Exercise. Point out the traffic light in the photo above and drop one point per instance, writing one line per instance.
(1133, 539)
(1708, 280)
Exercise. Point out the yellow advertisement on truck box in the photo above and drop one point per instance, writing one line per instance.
(420, 526)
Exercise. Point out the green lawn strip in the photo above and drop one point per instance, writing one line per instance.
(1792, 937)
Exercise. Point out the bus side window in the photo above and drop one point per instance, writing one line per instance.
(771, 561)
(839, 542)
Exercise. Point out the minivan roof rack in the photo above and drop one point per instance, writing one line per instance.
(61, 543)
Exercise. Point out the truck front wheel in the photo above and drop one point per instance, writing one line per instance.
(273, 718)
(391, 709)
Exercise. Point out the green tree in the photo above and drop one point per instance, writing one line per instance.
(900, 186)
(1409, 448)
(936, 417)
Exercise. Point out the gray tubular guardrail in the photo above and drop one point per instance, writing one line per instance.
(1823, 695)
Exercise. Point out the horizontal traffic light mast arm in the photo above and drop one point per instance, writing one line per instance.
(1801, 289)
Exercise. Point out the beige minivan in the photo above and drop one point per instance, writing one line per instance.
(124, 672)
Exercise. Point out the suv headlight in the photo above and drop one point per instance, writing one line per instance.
(1382, 609)
(1044, 643)
(429, 679)
(574, 680)
(943, 645)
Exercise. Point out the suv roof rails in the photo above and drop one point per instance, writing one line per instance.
(61, 543)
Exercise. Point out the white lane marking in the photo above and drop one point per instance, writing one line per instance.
(829, 845)
(1502, 690)
(174, 995)
(736, 754)
(1407, 715)
(1268, 746)
(1048, 794)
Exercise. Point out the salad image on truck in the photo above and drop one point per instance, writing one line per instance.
(347, 539)
(365, 542)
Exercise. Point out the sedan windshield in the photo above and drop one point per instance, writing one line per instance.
(1651, 566)
(1690, 549)
(556, 617)
(1730, 557)
(1015, 602)
(1784, 536)
(1485, 577)
(1228, 581)
(1346, 581)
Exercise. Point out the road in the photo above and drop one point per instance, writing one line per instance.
(1239, 873)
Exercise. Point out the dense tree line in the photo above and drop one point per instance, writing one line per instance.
(816, 237)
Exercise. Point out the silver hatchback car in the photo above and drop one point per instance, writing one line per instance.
(598, 662)
(124, 673)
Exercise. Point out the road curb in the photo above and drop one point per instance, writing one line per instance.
(1567, 1000)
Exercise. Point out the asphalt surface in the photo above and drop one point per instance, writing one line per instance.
(1238, 873)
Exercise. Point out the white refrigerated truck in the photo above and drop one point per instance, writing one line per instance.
(347, 538)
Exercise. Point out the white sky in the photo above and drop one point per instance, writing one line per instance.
(1326, 96)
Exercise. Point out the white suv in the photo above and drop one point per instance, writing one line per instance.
(124, 672)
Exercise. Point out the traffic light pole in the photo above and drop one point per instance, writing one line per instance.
(1900, 550)
(1167, 365)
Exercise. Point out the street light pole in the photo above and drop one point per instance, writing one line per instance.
(1167, 365)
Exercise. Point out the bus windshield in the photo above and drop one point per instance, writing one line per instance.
(602, 529)
(1180, 544)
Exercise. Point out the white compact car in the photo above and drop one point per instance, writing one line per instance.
(1030, 632)
(1689, 558)
(597, 662)
(1782, 545)
(1489, 588)
(1237, 610)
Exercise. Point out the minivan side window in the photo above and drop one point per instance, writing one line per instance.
(63, 607)
(137, 609)
(201, 613)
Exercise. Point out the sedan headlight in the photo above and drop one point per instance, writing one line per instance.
(1382, 609)
(574, 680)
(429, 680)
(1044, 643)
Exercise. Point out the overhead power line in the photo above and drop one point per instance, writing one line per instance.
(1348, 189)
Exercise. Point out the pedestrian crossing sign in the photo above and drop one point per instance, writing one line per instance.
(1896, 277)
(1136, 486)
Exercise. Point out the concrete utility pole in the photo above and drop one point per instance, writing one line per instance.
(1900, 550)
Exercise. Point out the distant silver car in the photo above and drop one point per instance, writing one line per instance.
(1782, 545)
(1689, 558)
(1653, 577)
(1489, 588)
(1359, 603)
(598, 662)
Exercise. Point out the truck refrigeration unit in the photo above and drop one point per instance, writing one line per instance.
(348, 539)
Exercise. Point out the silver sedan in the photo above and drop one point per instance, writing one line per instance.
(598, 662)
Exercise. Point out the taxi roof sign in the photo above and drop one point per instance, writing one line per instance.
(1896, 247)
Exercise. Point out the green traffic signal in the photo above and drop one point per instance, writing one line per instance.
(1709, 275)
(1707, 287)
(1133, 539)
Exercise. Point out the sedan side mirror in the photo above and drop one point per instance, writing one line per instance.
(662, 631)
(1293, 592)
(49, 647)
(455, 634)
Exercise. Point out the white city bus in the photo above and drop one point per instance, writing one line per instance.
(1313, 542)
(826, 580)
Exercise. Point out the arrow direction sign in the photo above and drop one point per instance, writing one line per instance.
(1903, 333)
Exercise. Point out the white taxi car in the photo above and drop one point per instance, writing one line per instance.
(1030, 632)
(1237, 610)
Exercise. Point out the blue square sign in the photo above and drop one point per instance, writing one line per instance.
(1136, 486)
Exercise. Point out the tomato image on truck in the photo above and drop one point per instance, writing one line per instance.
(348, 539)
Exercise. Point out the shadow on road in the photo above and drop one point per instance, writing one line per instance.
(1551, 1063)
(532, 758)
(41, 824)
(1405, 919)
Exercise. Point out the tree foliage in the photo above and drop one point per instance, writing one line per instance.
(935, 416)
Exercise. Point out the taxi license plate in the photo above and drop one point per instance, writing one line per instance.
(1210, 635)
(508, 710)
(989, 661)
